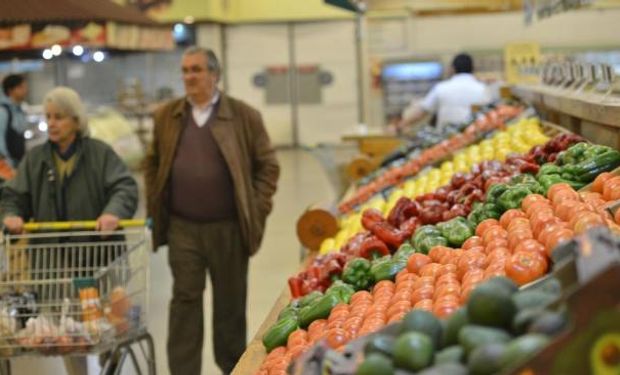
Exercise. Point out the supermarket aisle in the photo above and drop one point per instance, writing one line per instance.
(302, 183)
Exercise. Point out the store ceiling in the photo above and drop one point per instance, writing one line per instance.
(446, 6)
(31, 11)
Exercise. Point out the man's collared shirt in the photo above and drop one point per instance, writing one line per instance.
(202, 114)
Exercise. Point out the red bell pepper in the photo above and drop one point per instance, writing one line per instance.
(294, 285)
(373, 247)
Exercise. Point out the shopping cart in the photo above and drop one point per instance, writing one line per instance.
(67, 290)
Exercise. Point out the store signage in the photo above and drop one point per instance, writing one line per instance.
(522, 62)
(43, 36)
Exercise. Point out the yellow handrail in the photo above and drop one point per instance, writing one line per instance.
(77, 225)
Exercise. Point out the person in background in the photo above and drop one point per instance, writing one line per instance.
(70, 177)
(451, 100)
(12, 119)
(210, 174)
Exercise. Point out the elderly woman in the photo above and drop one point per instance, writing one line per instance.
(70, 177)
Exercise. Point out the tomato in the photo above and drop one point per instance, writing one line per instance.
(472, 241)
(496, 244)
(531, 198)
(499, 253)
(361, 295)
(473, 276)
(430, 269)
(518, 236)
(400, 275)
(444, 310)
(400, 306)
(446, 269)
(564, 195)
(404, 286)
(396, 317)
(519, 222)
(448, 278)
(337, 337)
(452, 257)
(454, 288)
(526, 266)
(437, 252)
(494, 233)
(402, 295)
(555, 188)
(609, 185)
(555, 238)
(492, 272)
(383, 284)
(425, 292)
(587, 220)
(541, 222)
(483, 225)
(566, 207)
(416, 262)
(471, 260)
(422, 281)
(542, 237)
(614, 192)
(599, 181)
(538, 206)
(316, 328)
(531, 245)
(509, 215)
(425, 304)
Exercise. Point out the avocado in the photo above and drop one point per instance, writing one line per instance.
(452, 354)
(533, 299)
(504, 282)
(521, 348)
(490, 304)
(453, 325)
(413, 351)
(486, 359)
(376, 364)
(472, 336)
(445, 369)
(524, 318)
(424, 322)
(549, 323)
(380, 343)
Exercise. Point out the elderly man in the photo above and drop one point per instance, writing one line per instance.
(210, 176)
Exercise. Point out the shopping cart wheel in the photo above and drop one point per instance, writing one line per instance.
(141, 346)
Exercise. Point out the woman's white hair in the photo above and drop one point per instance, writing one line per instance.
(68, 102)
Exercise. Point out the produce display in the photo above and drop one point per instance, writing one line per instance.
(448, 254)
(400, 172)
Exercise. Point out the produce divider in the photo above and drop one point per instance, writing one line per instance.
(548, 172)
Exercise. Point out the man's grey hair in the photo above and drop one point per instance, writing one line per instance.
(69, 103)
(213, 64)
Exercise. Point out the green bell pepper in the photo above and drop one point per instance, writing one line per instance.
(288, 311)
(575, 153)
(319, 309)
(386, 268)
(278, 334)
(423, 232)
(548, 168)
(495, 192)
(341, 290)
(357, 273)
(404, 251)
(512, 197)
(552, 179)
(429, 242)
(456, 231)
(595, 150)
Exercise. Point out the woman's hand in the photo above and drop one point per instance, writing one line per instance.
(14, 224)
(107, 223)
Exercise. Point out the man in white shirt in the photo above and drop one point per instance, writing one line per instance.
(450, 100)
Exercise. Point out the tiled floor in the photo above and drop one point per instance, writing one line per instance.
(302, 183)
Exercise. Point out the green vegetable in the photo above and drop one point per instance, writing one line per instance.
(524, 178)
(587, 170)
(341, 290)
(288, 311)
(548, 168)
(549, 180)
(279, 332)
(413, 351)
(575, 153)
(375, 364)
(386, 268)
(595, 150)
(310, 298)
(495, 191)
(422, 232)
(429, 242)
(512, 197)
(404, 251)
(456, 231)
(319, 309)
(357, 273)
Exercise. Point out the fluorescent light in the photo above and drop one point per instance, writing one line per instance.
(47, 54)
(98, 56)
(28, 134)
(56, 49)
(42, 126)
(78, 50)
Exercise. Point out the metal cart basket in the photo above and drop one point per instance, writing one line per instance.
(67, 290)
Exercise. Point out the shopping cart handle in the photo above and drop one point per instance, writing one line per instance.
(77, 225)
